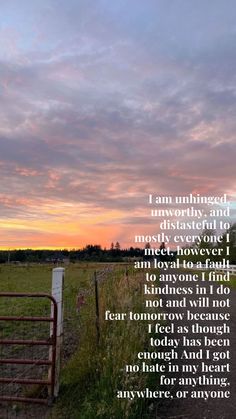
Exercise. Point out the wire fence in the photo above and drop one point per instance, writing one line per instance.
(32, 359)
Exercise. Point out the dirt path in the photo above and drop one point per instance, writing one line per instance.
(199, 408)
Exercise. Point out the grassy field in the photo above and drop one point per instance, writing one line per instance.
(92, 372)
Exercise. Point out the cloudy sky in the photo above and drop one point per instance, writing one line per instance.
(103, 102)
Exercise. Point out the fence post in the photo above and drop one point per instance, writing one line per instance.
(97, 306)
(57, 293)
(127, 275)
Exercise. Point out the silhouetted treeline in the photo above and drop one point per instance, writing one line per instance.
(116, 254)
(227, 246)
(89, 253)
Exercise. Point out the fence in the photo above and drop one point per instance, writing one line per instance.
(25, 336)
(231, 269)
(30, 350)
(81, 303)
(52, 342)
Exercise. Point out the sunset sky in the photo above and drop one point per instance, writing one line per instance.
(104, 102)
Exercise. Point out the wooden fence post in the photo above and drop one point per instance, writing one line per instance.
(97, 306)
(57, 292)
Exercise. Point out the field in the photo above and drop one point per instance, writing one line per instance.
(92, 370)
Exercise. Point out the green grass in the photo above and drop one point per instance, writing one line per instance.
(232, 282)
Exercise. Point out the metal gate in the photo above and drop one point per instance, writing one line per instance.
(51, 343)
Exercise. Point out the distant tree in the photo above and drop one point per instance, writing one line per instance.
(117, 246)
(206, 242)
(147, 246)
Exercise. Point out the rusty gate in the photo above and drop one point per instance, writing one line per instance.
(51, 343)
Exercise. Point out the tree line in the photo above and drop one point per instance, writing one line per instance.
(88, 253)
(115, 253)
(229, 253)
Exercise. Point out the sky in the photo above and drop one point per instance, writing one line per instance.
(104, 102)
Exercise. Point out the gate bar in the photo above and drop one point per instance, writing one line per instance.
(25, 342)
(23, 399)
(27, 318)
(25, 361)
(24, 381)
(26, 294)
